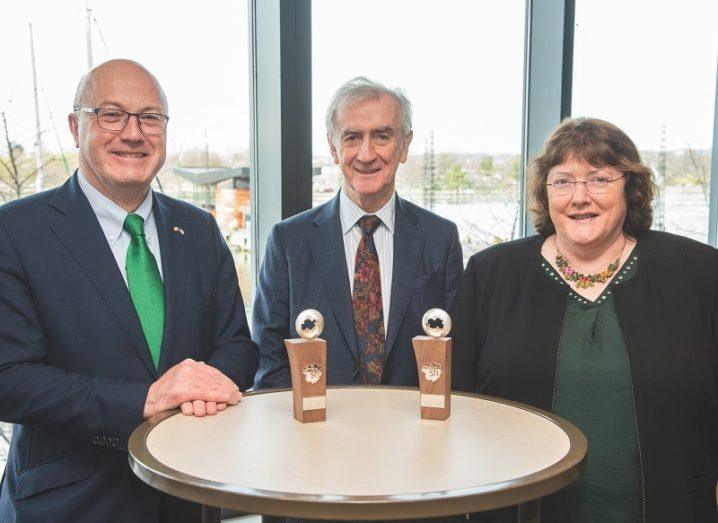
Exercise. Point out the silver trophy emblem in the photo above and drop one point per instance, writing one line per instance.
(309, 324)
(436, 323)
(312, 372)
(431, 370)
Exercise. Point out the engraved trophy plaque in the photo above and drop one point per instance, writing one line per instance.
(308, 363)
(433, 361)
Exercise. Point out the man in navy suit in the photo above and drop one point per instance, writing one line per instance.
(371, 262)
(116, 303)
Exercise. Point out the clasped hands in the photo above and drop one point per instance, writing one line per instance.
(195, 387)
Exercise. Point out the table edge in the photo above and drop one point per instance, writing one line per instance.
(456, 501)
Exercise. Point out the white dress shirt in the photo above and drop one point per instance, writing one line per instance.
(349, 214)
(112, 217)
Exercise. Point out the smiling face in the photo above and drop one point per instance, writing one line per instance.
(582, 219)
(369, 147)
(119, 164)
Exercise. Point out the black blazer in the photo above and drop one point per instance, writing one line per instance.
(507, 320)
(74, 364)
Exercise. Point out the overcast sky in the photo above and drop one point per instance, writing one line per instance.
(641, 64)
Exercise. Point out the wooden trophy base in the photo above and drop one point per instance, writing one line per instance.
(308, 363)
(433, 361)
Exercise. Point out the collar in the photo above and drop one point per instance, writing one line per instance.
(110, 215)
(350, 212)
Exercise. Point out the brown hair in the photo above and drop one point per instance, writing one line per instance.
(600, 144)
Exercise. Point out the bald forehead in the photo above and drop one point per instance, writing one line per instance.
(120, 79)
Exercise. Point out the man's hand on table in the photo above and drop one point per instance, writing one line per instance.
(197, 388)
(200, 408)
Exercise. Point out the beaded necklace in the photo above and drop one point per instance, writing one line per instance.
(584, 281)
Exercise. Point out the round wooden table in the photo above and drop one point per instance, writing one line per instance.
(374, 457)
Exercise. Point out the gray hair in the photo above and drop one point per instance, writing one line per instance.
(361, 88)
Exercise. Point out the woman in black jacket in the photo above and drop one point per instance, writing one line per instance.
(608, 325)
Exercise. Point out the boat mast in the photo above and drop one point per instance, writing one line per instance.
(40, 173)
(88, 34)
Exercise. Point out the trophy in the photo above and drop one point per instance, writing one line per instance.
(308, 362)
(433, 360)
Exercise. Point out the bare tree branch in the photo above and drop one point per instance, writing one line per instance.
(10, 148)
(20, 171)
(6, 166)
(8, 184)
(698, 173)
(35, 171)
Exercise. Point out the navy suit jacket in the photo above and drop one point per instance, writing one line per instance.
(305, 268)
(74, 364)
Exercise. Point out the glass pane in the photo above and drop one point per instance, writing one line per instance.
(462, 68)
(650, 68)
(199, 54)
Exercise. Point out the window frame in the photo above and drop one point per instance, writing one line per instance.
(281, 138)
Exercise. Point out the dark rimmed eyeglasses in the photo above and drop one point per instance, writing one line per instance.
(116, 119)
(594, 185)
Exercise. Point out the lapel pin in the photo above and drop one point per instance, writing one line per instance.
(177, 229)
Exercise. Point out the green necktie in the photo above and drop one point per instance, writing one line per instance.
(145, 283)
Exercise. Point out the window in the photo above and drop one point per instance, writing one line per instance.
(208, 134)
(462, 68)
(649, 67)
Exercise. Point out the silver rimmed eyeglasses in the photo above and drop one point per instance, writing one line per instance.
(595, 184)
(116, 119)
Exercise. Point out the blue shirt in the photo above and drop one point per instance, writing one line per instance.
(112, 217)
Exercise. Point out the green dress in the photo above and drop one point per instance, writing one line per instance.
(593, 390)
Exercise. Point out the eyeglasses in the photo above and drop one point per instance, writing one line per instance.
(595, 185)
(116, 119)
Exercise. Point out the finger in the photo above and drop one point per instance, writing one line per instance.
(187, 409)
(183, 390)
(200, 393)
(235, 397)
(211, 408)
(199, 407)
(221, 407)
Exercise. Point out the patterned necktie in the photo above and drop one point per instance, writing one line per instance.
(367, 304)
(145, 283)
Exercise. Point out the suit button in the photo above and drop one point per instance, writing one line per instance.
(356, 373)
